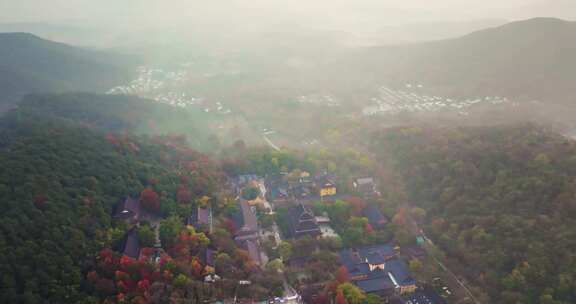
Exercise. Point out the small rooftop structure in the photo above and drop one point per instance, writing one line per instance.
(302, 221)
(301, 192)
(377, 269)
(327, 231)
(365, 186)
(424, 296)
(247, 235)
(375, 217)
(277, 190)
(323, 219)
(201, 219)
(242, 181)
(130, 246)
(246, 221)
(325, 185)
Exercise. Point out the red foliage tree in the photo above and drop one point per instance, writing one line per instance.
(167, 275)
(197, 268)
(93, 277)
(143, 285)
(322, 299)
(340, 299)
(121, 275)
(342, 275)
(112, 139)
(107, 260)
(150, 200)
(184, 196)
(368, 228)
(126, 262)
(358, 205)
(145, 274)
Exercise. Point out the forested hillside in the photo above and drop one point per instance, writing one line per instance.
(501, 202)
(119, 113)
(29, 64)
(530, 59)
(58, 187)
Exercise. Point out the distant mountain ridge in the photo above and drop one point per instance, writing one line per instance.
(531, 59)
(29, 64)
(70, 34)
(421, 32)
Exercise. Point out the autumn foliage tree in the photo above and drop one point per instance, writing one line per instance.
(357, 204)
(184, 195)
(342, 275)
(150, 200)
(340, 299)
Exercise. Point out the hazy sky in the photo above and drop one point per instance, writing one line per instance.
(336, 13)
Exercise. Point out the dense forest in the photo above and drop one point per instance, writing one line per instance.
(59, 184)
(70, 160)
(120, 113)
(500, 202)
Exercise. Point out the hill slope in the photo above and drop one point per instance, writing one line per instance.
(500, 203)
(118, 113)
(29, 64)
(59, 184)
(533, 59)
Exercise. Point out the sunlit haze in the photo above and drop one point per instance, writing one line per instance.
(335, 14)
